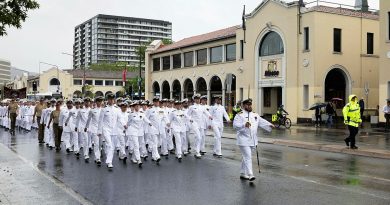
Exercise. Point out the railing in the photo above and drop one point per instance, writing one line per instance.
(335, 5)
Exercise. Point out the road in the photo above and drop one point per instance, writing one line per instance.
(289, 176)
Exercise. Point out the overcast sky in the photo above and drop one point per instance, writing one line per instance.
(49, 30)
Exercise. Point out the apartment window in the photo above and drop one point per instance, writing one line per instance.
(241, 49)
(118, 83)
(88, 82)
(216, 54)
(306, 38)
(77, 82)
(176, 60)
(166, 62)
(98, 82)
(201, 57)
(231, 52)
(336, 40)
(267, 97)
(305, 96)
(189, 59)
(156, 64)
(109, 83)
(370, 43)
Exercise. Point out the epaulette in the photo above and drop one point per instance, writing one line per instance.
(141, 111)
(241, 112)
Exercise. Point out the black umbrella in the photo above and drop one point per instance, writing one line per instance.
(319, 105)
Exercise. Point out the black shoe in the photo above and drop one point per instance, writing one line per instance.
(202, 153)
(140, 165)
(197, 157)
(354, 147)
(50, 147)
(158, 161)
(86, 160)
(67, 150)
(127, 147)
(243, 177)
(145, 158)
(219, 156)
(41, 142)
(179, 159)
(99, 163)
(346, 142)
(90, 150)
(252, 178)
(172, 151)
(58, 149)
(124, 160)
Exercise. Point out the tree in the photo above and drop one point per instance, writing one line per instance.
(14, 12)
(167, 41)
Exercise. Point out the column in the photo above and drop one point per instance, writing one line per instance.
(170, 62)
(161, 64)
(223, 97)
(208, 96)
(171, 94)
(181, 94)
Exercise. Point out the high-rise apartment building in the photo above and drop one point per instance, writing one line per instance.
(5, 71)
(107, 38)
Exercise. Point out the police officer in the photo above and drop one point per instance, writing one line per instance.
(13, 109)
(218, 112)
(352, 118)
(246, 123)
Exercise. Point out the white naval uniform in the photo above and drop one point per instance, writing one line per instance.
(28, 116)
(107, 124)
(48, 132)
(121, 127)
(169, 130)
(92, 130)
(196, 113)
(207, 122)
(68, 122)
(158, 119)
(247, 137)
(136, 132)
(186, 142)
(81, 124)
(178, 120)
(218, 112)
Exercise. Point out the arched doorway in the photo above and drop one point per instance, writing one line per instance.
(156, 89)
(77, 94)
(118, 94)
(230, 90)
(336, 86)
(166, 90)
(188, 88)
(201, 86)
(176, 90)
(98, 94)
(54, 85)
(215, 87)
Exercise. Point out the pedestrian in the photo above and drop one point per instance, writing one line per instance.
(246, 123)
(386, 111)
(218, 112)
(37, 118)
(351, 113)
(361, 105)
(330, 112)
(318, 116)
(13, 110)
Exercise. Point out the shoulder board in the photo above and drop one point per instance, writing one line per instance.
(141, 111)
(241, 112)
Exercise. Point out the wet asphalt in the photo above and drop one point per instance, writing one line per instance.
(288, 176)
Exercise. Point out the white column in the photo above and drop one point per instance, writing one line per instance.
(223, 53)
(161, 64)
(181, 94)
(170, 62)
(208, 55)
(182, 60)
(223, 97)
(208, 96)
(171, 94)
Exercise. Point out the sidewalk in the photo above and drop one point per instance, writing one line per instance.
(370, 142)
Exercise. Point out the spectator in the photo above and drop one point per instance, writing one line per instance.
(330, 112)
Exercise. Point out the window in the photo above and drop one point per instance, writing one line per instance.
(166, 63)
(98, 82)
(118, 83)
(370, 43)
(201, 57)
(189, 59)
(241, 49)
(306, 38)
(337, 40)
(388, 25)
(176, 61)
(271, 44)
(54, 81)
(231, 52)
(77, 82)
(216, 54)
(88, 82)
(267, 97)
(109, 83)
(156, 64)
(305, 96)
(241, 94)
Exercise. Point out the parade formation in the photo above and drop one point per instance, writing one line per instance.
(135, 129)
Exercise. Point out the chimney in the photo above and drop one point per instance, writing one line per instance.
(361, 5)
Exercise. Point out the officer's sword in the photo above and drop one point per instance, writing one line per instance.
(257, 152)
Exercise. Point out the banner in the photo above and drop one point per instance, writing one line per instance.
(124, 73)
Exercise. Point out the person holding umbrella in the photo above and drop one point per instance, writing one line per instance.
(352, 118)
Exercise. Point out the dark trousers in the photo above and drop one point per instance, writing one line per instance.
(41, 128)
(352, 134)
(318, 119)
(12, 117)
(57, 134)
(387, 117)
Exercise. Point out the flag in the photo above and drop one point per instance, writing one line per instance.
(124, 73)
(243, 19)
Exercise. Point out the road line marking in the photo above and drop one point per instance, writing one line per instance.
(81, 199)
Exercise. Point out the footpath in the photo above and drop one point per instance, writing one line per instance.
(371, 142)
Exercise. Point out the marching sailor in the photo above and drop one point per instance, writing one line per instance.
(218, 112)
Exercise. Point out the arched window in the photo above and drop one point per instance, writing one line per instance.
(271, 44)
(54, 81)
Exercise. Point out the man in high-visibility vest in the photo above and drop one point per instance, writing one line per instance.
(352, 118)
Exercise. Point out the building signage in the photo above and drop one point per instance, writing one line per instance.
(271, 68)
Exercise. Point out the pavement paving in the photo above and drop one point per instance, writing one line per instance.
(289, 176)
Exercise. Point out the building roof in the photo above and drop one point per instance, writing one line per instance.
(203, 38)
(344, 12)
(79, 73)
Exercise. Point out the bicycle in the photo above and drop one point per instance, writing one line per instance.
(279, 121)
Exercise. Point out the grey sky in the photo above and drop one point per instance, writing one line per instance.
(49, 30)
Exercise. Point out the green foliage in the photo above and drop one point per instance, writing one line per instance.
(14, 12)
(118, 66)
(167, 41)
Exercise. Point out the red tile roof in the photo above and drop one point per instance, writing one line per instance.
(344, 11)
(203, 38)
